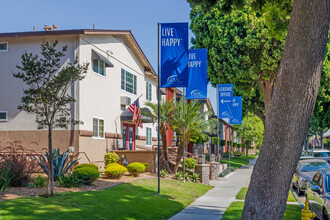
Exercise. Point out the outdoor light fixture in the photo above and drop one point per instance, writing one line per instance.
(201, 159)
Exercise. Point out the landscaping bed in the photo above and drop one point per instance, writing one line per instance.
(135, 200)
(101, 183)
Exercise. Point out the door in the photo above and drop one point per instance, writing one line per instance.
(128, 136)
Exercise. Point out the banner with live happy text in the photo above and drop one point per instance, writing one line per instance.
(174, 54)
(197, 70)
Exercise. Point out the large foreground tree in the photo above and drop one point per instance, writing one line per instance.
(47, 94)
(292, 105)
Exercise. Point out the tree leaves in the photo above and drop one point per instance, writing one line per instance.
(49, 81)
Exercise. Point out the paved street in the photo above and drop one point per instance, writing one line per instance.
(214, 203)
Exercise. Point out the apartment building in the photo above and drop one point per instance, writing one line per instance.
(118, 74)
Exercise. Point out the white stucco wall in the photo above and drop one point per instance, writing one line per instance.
(11, 89)
(99, 95)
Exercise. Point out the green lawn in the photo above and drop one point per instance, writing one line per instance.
(234, 212)
(242, 193)
(237, 162)
(135, 200)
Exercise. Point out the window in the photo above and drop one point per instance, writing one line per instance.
(3, 116)
(98, 127)
(98, 67)
(149, 136)
(3, 46)
(148, 91)
(128, 81)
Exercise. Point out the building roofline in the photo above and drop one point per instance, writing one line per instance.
(126, 33)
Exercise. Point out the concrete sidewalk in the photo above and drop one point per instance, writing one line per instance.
(214, 203)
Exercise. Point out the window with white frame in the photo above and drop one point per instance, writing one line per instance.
(3, 46)
(98, 128)
(149, 136)
(149, 91)
(3, 116)
(99, 67)
(128, 81)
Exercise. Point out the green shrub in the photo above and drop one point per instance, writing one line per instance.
(114, 170)
(93, 166)
(163, 173)
(187, 177)
(207, 157)
(87, 175)
(226, 154)
(226, 171)
(136, 168)
(6, 174)
(39, 182)
(238, 153)
(195, 177)
(70, 180)
(111, 157)
(146, 165)
(190, 163)
(178, 175)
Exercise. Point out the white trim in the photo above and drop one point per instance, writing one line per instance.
(1, 120)
(6, 42)
(104, 69)
(98, 126)
(150, 136)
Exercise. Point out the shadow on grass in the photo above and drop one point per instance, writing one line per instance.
(137, 200)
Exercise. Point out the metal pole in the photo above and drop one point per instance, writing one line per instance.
(229, 144)
(184, 133)
(218, 141)
(158, 98)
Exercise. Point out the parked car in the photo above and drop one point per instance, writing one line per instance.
(321, 153)
(318, 193)
(305, 171)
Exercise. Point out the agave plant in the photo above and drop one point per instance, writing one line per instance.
(61, 163)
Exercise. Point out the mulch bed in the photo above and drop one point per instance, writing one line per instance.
(100, 184)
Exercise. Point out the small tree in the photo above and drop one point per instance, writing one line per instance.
(194, 124)
(166, 114)
(47, 93)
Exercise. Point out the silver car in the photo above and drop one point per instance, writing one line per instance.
(305, 171)
(318, 193)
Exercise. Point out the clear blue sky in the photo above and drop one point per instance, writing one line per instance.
(140, 17)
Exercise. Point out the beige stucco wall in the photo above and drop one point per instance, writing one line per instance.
(37, 140)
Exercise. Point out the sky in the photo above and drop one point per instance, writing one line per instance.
(141, 17)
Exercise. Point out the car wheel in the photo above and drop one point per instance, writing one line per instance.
(325, 214)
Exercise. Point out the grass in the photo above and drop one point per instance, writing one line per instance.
(242, 193)
(135, 200)
(237, 162)
(234, 212)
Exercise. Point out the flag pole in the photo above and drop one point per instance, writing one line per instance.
(158, 99)
(184, 134)
(218, 141)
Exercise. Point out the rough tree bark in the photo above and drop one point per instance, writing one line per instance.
(179, 156)
(50, 187)
(291, 109)
(164, 143)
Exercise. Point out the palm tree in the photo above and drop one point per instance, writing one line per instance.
(195, 125)
(166, 114)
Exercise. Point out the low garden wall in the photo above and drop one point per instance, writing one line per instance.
(143, 156)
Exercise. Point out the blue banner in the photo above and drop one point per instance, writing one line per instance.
(236, 109)
(225, 91)
(197, 69)
(225, 108)
(174, 54)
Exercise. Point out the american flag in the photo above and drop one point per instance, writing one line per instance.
(135, 109)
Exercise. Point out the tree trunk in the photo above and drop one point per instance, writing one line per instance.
(50, 188)
(179, 155)
(163, 136)
(292, 105)
(267, 87)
